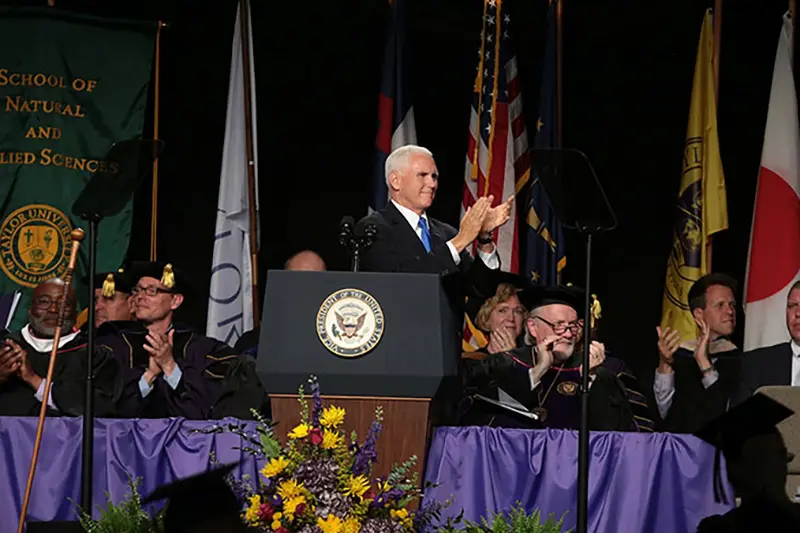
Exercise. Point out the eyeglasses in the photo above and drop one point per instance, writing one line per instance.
(45, 302)
(149, 291)
(559, 328)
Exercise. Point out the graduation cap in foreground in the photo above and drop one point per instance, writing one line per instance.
(197, 499)
(756, 417)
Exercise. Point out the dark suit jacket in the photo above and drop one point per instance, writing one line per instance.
(771, 365)
(397, 248)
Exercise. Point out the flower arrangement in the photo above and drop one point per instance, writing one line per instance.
(321, 481)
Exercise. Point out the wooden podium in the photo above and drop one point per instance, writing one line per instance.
(372, 339)
(404, 432)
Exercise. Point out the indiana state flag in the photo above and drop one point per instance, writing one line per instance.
(542, 249)
(395, 112)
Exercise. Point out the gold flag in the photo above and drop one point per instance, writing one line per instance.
(702, 206)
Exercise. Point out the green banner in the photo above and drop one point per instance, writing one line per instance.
(70, 86)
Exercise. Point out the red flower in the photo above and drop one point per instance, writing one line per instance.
(281, 530)
(369, 495)
(300, 509)
(316, 436)
(265, 512)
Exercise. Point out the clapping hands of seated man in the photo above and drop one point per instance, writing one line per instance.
(159, 346)
(10, 360)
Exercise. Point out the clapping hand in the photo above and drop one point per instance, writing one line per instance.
(501, 340)
(668, 342)
(160, 348)
(497, 216)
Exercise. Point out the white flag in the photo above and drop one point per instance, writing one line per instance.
(230, 298)
(773, 264)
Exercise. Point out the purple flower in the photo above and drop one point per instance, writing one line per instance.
(367, 455)
(316, 397)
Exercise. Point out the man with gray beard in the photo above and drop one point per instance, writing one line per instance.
(25, 356)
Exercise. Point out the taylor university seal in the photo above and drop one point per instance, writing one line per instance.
(350, 322)
(34, 244)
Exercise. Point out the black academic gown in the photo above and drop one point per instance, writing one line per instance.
(558, 393)
(17, 398)
(203, 362)
(693, 406)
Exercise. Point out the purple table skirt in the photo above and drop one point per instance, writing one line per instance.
(638, 483)
(158, 451)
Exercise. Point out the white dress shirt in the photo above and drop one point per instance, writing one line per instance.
(795, 364)
(491, 260)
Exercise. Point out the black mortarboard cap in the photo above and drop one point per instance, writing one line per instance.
(758, 415)
(541, 295)
(170, 277)
(197, 499)
(110, 282)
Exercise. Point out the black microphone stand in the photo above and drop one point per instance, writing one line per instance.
(88, 403)
(356, 243)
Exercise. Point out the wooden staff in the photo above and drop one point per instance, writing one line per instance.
(77, 237)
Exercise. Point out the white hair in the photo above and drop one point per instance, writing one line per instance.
(398, 159)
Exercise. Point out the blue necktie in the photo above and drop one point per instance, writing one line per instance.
(425, 234)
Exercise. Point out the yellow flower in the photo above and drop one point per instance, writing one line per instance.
(300, 432)
(332, 524)
(275, 466)
(290, 504)
(357, 486)
(276, 525)
(332, 417)
(251, 514)
(351, 525)
(384, 487)
(401, 515)
(290, 489)
(330, 439)
(277, 516)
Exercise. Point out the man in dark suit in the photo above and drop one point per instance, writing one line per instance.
(407, 240)
(778, 364)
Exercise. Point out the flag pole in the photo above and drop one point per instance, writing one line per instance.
(156, 107)
(559, 54)
(251, 170)
(559, 50)
(717, 48)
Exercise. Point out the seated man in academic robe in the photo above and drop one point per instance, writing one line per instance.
(544, 378)
(25, 357)
(169, 369)
(113, 300)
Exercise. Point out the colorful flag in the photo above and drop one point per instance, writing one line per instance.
(230, 298)
(81, 88)
(395, 110)
(497, 151)
(543, 251)
(702, 206)
(773, 264)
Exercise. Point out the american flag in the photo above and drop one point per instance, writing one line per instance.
(497, 155)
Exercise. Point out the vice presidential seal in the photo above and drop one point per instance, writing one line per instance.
(350, 322)
(34, 244)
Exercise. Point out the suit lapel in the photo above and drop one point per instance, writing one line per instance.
(437, 235)
(783, 370)
(405, 233)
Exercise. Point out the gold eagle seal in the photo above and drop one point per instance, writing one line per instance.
(350, 323)
(35, 244)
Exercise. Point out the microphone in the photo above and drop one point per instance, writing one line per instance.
(346, 230)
